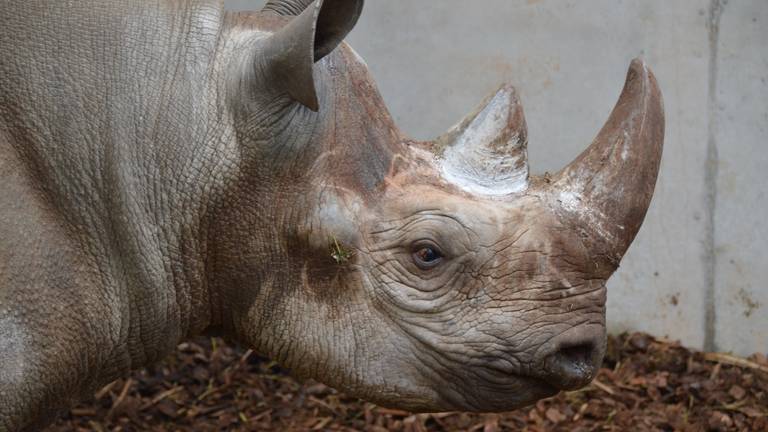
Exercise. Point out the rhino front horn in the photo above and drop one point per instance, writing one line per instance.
(608, 188)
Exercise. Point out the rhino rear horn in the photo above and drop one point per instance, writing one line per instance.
(608, 188)
(290, 53)
(486, 153)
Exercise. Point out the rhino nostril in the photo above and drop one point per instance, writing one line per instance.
(577, 355)
(571, 367)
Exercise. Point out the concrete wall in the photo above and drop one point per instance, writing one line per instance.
(698, 270)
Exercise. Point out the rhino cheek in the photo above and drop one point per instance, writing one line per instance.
(486, 353)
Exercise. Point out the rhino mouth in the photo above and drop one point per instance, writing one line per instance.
(504, 392)
(501, 383)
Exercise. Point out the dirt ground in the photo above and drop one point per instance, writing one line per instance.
(646, 385)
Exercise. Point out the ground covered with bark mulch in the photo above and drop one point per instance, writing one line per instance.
(646, 384)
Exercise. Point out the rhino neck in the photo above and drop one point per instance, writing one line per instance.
(272, 286)
(122, 150)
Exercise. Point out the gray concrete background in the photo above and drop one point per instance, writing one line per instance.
(698, 270)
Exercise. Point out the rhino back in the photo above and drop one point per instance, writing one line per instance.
(100, 96)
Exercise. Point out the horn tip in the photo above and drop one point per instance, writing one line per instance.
(639, 67)
(641, 80)
(510, 92)
(512, 108)
(638, 63)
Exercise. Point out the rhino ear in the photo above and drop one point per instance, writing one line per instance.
(291, 52)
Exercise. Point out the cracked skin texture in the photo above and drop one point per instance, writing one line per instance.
(158, 181)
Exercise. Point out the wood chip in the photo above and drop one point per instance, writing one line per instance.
(734, 361)
(646, 385)
(603, 387)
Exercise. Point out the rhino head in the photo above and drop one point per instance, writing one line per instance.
(428, 276)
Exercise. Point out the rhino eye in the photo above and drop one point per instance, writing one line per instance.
(427, 256)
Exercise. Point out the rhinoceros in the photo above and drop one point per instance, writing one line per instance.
(170, 169)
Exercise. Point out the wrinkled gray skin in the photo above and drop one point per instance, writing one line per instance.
(168, 169)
